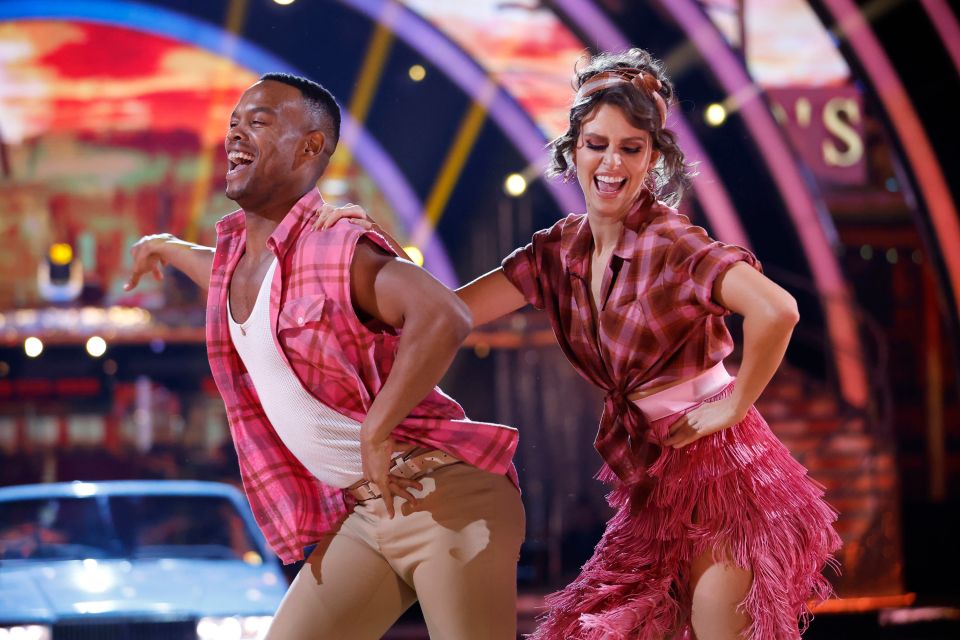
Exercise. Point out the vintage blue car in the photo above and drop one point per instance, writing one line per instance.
(133, 560)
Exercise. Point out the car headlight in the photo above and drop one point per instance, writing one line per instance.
(25, 632)
(232, 628)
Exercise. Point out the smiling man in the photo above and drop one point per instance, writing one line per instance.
(343, 438)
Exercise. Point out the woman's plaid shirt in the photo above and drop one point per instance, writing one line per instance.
(657, 323)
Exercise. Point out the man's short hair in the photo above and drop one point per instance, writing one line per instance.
(317, 98)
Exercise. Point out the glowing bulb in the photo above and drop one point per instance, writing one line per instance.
(33, 347)
(415, 255)
(61, 253)
(417, 72)
(715, 115)
(515, 185)
(96, 346)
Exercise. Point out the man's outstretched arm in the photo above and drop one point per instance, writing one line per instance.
(434, 322)
(150, 253)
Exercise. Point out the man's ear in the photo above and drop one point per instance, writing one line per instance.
(314, 143)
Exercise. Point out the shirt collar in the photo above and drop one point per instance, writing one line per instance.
(286, 232)
(293, 223)
(576, 244)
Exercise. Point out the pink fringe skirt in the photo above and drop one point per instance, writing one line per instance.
(737, 491)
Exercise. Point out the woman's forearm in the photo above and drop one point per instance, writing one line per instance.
(765, 339)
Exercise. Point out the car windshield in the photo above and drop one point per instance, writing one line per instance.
(128, 526)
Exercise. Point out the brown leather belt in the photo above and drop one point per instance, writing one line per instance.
(413, 465)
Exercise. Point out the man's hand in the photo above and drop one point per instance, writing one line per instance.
(151, 253)
(377, 460)
(148, 257)
(434, 323)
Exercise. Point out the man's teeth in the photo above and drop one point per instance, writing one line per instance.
(238, 157)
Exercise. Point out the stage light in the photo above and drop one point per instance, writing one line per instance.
(415, 255)
(866, 252)
(96, 346)
(892, 256)
(33, 347)
(715, 114)
(515, 185)
(61, 254)
(283, 2)
(417, 72)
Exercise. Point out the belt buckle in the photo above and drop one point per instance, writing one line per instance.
(367, 490)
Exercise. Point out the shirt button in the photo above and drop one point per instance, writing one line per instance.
(300, 320)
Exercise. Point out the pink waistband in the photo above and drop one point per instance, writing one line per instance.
(684, 395)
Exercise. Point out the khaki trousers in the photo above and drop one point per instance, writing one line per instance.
(456, 553)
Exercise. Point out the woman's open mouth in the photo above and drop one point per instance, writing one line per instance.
(608, 186)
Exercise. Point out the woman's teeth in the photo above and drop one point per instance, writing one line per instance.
(609, 184)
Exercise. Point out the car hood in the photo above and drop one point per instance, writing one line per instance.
(39, 592)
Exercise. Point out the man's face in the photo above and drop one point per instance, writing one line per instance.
(265, 142)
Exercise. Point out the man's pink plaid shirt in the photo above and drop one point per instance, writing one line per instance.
(338, 359)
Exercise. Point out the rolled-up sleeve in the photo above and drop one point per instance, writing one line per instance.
(520, 267)
(700, 260)
(527, 268)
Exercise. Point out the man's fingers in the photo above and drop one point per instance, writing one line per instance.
(387, 496)
(406, 483)
(403, 493)
(416, 484)
(157, 271)
(132, 282)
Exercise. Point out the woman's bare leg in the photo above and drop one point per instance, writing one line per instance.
(718, 588)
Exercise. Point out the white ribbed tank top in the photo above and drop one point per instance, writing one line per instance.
(324, 441)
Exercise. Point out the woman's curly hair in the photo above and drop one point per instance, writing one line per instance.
(671, 175)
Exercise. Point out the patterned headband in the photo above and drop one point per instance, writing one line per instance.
(637, 77)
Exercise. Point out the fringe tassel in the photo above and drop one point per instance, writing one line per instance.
(752, 500)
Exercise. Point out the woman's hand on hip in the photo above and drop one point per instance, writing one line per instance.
(708, 418)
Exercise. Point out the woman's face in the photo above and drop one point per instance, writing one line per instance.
(612, 158)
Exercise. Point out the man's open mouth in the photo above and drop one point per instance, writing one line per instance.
(237, 161)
